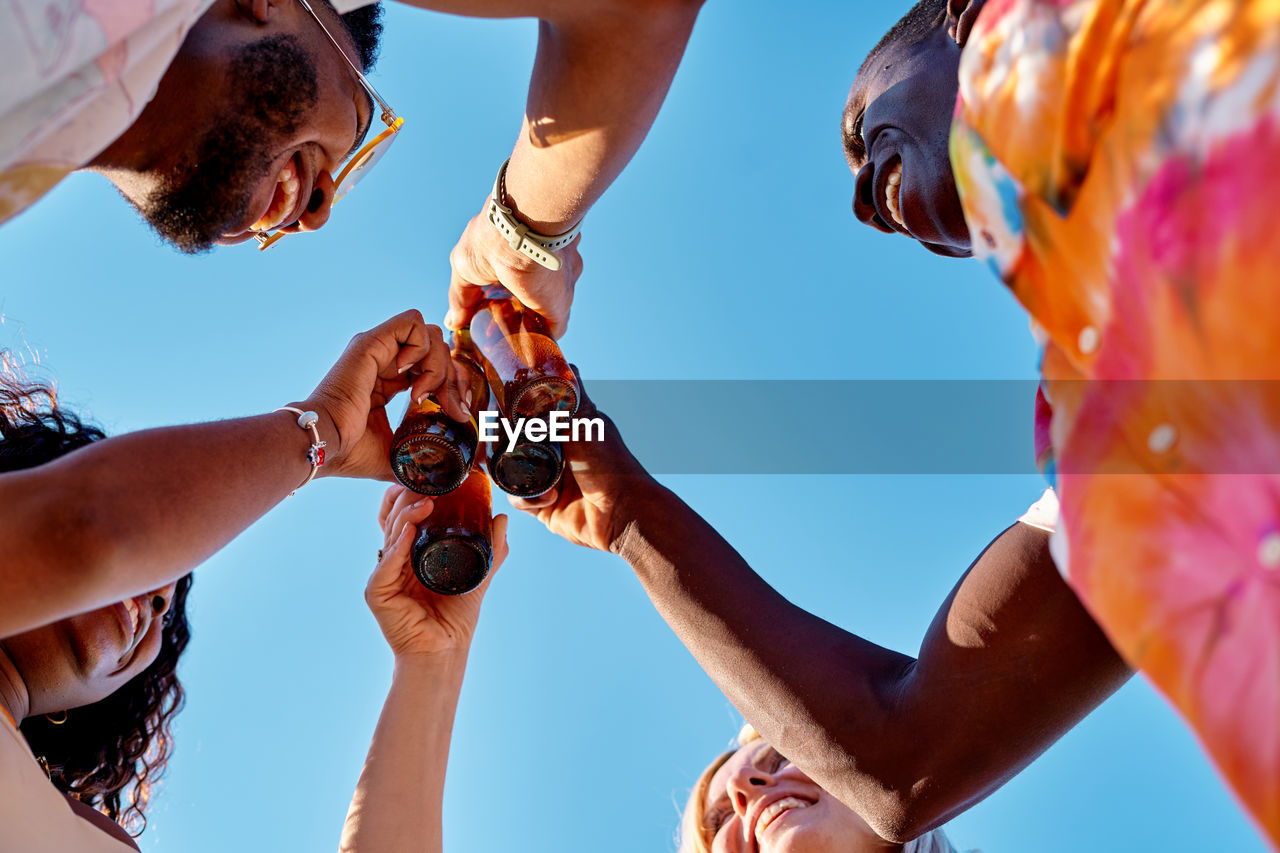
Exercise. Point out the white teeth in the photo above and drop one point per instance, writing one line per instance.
(892, 190)
(775, 809)
(134, 614)
(288, 184)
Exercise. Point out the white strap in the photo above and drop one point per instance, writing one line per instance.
(540, 247)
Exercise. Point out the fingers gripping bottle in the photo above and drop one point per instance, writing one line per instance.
(431, 453)
(529, 378)
(453, 550)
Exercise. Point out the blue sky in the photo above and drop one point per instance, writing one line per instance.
(583, 721)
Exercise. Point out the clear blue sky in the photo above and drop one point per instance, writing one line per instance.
(583, 721)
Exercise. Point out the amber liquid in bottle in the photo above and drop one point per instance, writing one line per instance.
(529, 469)
(527, 372)
(432, 453)
(453, 551)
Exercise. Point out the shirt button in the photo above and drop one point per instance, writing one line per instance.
(1162, 438)
(1088, 340)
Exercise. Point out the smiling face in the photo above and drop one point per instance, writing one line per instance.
(246, 129)
(86, 658)
(759, 802)
(896, 132)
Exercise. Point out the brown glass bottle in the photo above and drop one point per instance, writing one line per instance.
(453, 551)
(527, 372)
(431, 453)
(529, 469)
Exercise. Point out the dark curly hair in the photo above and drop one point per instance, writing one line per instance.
(120, 745)
(365, 28)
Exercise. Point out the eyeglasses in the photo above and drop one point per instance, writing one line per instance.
(364, 159)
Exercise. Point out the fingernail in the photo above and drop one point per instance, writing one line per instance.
(313, 203)
(467, 400)
(466, 412)
(406, 367)
(421, 397)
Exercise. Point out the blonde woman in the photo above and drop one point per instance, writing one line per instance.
(753, 798)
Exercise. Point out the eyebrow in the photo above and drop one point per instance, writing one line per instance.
(363, 130)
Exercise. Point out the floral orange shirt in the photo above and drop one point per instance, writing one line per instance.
(1119, 165)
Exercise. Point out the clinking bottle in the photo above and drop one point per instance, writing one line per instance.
(527, 372)
(431, 453)
(453, 551)
(529, 377)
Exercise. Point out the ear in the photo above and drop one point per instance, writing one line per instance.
(258, 10)
(961, 15)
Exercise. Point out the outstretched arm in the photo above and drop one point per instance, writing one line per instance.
(397, 803)
(1010, 663)
(601, 73)
(132, 513)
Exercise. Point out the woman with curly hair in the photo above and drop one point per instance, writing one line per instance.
(116, 666)
(100, 535)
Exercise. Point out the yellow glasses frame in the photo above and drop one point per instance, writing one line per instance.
(364, 159)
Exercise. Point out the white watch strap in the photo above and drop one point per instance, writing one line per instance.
(540, 247)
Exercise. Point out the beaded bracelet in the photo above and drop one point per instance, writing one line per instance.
(315, 453)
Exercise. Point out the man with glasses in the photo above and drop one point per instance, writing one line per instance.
(225, 120)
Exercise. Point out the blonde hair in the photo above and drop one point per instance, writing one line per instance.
(694, 837)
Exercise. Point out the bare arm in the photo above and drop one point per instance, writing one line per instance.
(1011, 662)
(132, 513)
(602, 71)
(397, 803)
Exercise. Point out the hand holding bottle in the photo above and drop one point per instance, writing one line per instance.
(601, 490)
(414, 620)
(403, 353)
(483, 257)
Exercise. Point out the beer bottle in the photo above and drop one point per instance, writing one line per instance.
(527, 371)
(430, 452)
(527, 470)
(453, 550)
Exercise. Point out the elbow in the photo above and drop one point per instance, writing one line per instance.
(902, 816)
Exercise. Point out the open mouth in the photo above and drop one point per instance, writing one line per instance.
(893, 195)
(134, 610)
(286, 201)
(776, 810)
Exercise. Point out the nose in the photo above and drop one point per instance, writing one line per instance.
(748, 783)
(864, 192)
(316, 213)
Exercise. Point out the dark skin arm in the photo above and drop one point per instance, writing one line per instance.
(1011, 662)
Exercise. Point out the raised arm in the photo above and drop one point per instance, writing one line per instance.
(601, 73)
(397, 803)
(132, 513)
(1010, 663)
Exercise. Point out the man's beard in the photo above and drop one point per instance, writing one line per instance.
(274, 86)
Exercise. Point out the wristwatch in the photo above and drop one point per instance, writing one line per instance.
(540, 247)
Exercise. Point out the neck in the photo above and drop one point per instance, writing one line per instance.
(13, 689)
